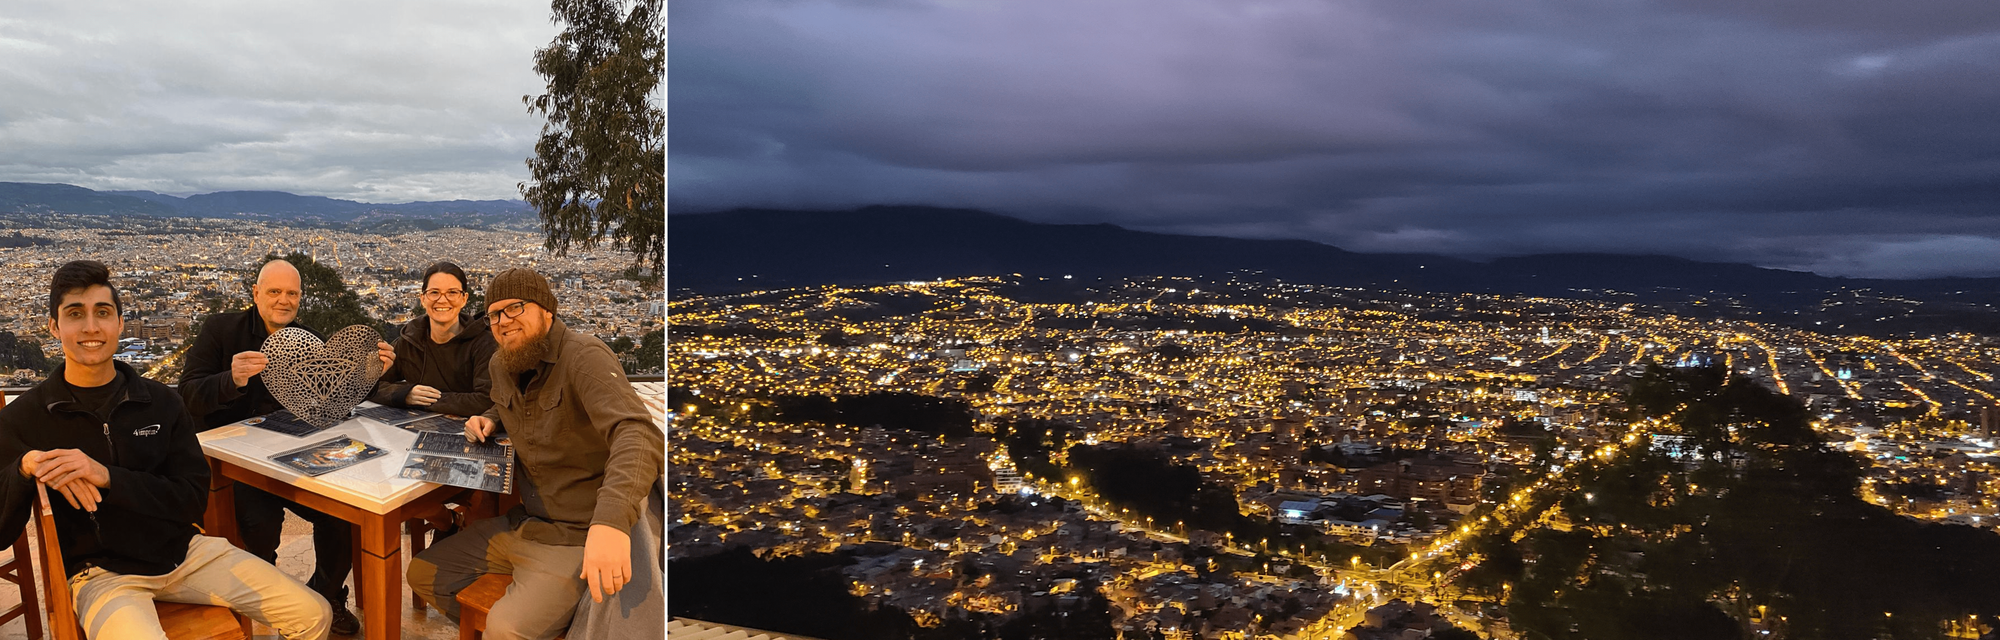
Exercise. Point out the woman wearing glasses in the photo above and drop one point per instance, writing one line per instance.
(441, 357)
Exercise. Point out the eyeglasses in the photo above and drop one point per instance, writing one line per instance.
(509, 311)
(434, 294)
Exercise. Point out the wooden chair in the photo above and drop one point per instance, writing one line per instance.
(420, 528)
(20, 570)
(475, 601)
(475, 506)
(181, 621)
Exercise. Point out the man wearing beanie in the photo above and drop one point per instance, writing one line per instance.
(590, 453)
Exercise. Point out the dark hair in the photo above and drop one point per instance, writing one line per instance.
(448, 268)
(77, 276)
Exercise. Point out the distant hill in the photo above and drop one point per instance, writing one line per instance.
(274, 204)
(22, 197)
(751, 249)
(171, 201)
(711, 251)
(451, 207)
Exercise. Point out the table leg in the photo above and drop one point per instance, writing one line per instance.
(219, 520)
(379, 574)
(360, 568)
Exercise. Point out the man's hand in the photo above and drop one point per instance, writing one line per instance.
(70, 472)
(59, 467)
(388, 354)
(30, 460)
(246, 364)
(607, 561)
(81, 495)
(478, 427)
(423, 396)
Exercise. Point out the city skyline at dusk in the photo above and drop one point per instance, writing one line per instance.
(1352, 320)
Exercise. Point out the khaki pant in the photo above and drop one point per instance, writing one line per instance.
(540, 602)
(115, 606)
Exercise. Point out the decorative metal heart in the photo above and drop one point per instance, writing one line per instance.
(322, 382)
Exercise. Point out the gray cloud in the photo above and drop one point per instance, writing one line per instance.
(1844, 137)
(370, 100)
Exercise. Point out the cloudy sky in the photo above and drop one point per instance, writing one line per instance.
(1846, 137)
(371, 100)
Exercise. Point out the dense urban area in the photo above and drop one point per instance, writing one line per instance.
(1163, 457)
(174, 272)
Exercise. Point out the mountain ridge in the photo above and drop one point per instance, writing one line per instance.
(751, 249)
(32, 197)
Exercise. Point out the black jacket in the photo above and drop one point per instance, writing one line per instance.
(205, 384)
(456, 368)
(159, 476)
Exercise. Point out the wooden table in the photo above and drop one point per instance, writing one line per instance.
(368, 494)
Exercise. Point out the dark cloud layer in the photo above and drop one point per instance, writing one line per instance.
(1841, 136)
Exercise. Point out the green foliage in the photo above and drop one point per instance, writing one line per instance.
(1176, 495)
(1419, 518)
(1089, 619)
(17, 353)
(1030, 442)
(651, 277)
(894, 410)
(475, 301)
(1453, 633)
(807, 595)
(680, 398)
(1152, 485)
(801, 595)
(1765, 516)
(977, 383)
(649, 355)
(599, 168)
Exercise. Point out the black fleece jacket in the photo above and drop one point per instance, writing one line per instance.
(159, 477)
(205, 385)
(457, 368)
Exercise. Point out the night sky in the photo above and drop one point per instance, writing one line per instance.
(1844, 137)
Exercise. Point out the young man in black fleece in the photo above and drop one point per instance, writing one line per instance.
(121, 451)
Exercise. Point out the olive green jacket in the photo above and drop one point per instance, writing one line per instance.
(587, 443)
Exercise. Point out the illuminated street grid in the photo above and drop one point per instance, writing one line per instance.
(1336, 368)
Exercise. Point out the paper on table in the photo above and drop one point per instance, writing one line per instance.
(451, 459)
(333, 454)
(392, 415)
